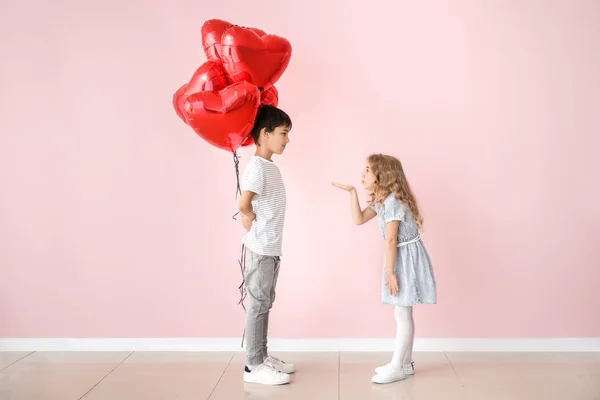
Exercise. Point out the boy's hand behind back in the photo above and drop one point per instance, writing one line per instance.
(247, 222)
(246, 211)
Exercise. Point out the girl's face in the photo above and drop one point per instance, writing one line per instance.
(368, 178)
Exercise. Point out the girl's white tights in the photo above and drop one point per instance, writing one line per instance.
(405, 336)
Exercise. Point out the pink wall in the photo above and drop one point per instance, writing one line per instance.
(115, 219)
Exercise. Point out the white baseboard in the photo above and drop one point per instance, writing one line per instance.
(317, 345)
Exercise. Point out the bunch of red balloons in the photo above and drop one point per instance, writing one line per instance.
(222, 99)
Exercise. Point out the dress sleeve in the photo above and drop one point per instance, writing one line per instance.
(394, 210)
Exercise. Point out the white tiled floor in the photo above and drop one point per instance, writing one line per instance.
(217, 376)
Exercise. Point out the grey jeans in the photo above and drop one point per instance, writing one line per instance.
(260, 274)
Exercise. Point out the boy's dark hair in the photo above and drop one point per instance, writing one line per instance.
(269, 117)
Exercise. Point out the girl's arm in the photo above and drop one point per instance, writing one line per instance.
(391, 250)
(359, 216)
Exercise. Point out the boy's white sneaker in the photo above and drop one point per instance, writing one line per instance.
(280, 365)
(265, 374)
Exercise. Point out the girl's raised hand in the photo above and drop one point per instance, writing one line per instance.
(347, 188)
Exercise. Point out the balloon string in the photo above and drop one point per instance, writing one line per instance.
(242, 260)
(242, 287)
(238, 192)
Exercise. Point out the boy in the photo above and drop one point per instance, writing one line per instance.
(262, 209)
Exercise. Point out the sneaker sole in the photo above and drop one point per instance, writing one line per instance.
(395, 380)
(379, 371)
(251, 380)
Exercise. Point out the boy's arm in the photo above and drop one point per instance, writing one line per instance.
(245, 204)
(246, 210)
(252, 184)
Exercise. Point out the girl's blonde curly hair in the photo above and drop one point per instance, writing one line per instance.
(390, 178)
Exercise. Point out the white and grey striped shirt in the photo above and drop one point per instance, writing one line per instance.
(263, 178)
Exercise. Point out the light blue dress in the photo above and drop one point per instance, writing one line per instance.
(416, 281)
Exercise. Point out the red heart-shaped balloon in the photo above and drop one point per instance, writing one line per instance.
(270, 96)
(212, 31)
(248, 56)
(179, 100)
(223, 118)
(210, 76)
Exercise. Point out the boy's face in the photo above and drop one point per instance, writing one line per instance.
(277, 140)
(368, 178)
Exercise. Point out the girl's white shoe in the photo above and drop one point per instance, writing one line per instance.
(409, 369)
(390, 375)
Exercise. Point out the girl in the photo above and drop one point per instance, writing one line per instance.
(407, 272)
